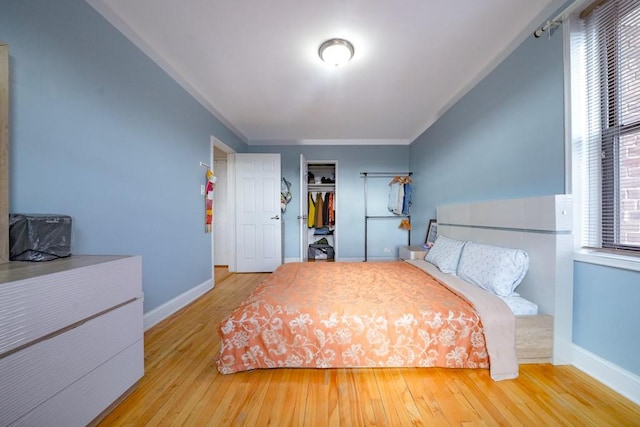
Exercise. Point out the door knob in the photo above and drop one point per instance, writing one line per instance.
(275, 217)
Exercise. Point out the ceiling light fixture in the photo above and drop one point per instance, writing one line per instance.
(336, 51)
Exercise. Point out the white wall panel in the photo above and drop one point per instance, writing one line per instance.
(542, 226)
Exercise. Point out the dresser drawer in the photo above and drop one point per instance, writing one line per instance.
(42, 305)
(39, 372)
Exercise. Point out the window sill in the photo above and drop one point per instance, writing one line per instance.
(625, 262)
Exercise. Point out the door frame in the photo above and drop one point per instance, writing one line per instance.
(231, 185)
(304, 211)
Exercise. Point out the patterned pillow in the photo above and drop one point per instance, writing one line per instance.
(496, 269)
(445, 254)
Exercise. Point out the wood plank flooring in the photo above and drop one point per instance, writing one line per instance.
(182, 387)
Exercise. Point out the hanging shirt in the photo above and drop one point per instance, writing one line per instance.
(400, 201)
(311, 212)
(319, 210)
(325, 209)
(332, 212)
(394, 190)
(406, 202)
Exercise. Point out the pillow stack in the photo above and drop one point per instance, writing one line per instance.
(496, 269)
(445, 254)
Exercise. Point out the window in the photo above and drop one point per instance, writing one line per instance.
(610, 143)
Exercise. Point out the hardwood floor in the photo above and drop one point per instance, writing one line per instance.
(221, 272)
(181, 386)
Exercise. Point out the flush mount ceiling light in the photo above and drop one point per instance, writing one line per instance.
(336, 51)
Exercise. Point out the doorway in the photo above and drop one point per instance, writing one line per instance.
(223, 235)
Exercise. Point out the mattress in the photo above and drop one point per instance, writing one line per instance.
(392, 314)
(334, 315)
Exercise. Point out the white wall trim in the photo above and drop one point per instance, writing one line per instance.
(160, 313)
(342, 259)
(614, 260)
(231, 188)
(613, 376)
(366, 142)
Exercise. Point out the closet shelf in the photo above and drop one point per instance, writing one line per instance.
(321, 187)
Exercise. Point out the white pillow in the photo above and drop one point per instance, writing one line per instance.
(445, 254)
(496, 269)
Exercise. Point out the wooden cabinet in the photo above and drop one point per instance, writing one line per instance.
(534, 338)
(71, 338)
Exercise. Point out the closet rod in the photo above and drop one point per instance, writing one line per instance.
(365, 174)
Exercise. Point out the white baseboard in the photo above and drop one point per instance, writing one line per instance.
(287, 260)
(343, 259)
(624, 382)
(160, 313)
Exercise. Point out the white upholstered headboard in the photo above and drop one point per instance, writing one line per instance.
(542, 226)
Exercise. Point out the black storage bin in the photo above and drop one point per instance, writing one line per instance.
(321, 251)
(39, 237)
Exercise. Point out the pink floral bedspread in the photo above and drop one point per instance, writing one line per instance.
(333, 315)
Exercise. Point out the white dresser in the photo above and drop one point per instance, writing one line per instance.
(71, 338)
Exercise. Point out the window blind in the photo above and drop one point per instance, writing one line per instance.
(611, 162)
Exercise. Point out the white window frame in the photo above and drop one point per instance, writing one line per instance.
(574, 98)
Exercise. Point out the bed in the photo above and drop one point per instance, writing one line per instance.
(407, 313)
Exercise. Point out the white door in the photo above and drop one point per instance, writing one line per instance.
(258, 216)
(304, 209)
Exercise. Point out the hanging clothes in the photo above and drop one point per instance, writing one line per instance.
(285, 194)
(332, 212)
(406, 202)
(211, 184)
(325, 209)
(400, 195)
(405, 224)
(319, 210)
(311, 212)
(398, 207)
(396, 195)
(394, 189)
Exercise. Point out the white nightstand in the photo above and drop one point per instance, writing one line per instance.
(412, 252)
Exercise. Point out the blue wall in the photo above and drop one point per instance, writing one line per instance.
(605, 314)
(505, 139)
(101, 133)
(350, 196)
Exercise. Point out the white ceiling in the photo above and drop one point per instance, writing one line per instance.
(254, 63)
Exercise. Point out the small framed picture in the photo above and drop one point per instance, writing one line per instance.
(432, 233)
